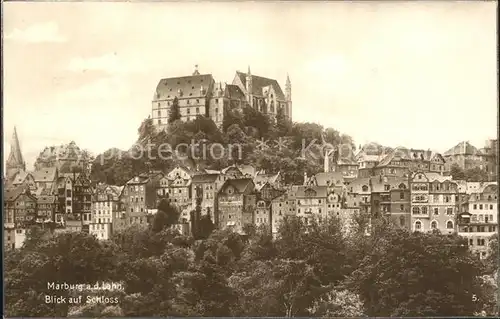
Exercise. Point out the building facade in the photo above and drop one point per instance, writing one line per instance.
(200, 95)
(236, 203)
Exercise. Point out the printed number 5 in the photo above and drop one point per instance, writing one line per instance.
(474, 298)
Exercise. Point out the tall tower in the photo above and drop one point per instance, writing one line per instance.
(288, 96)
(15, 163)
(249, 87)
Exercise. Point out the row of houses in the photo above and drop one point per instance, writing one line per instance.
(375, 160)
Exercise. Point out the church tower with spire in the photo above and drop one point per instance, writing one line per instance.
(288, 96)
(15, 162)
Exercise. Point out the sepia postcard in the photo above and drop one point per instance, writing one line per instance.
(250, 159)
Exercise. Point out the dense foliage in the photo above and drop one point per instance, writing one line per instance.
(308, 270)
(475, 174)
(245, 137)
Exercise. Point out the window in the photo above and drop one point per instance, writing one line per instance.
(416, 210)
(197, 110)
(418, 225)
(424, 210)
(480, 206)
(436, 211)
(449, 224)
(449, 211)
(434, 224)
(402, 195)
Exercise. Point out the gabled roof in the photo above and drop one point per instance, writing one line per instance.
(46, 199)
(12, 193)
(462, 148)
(312, 192)
(242, 185)
(261, 179)
(190, 87)
(259, 82)
(141, 179)
(248, 170)
(226, 169)
(21, 177)
(378, 186)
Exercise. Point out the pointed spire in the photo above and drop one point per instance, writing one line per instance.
(288, 79)
(249, 73)
(15, 157)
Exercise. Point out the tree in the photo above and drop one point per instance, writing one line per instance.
(166, 216)
(457, 173)
(283, 124)
(417, 274)
(175, 113)
(338, 303)
(146, 130)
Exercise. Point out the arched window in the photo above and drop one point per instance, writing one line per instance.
(365, 188)
(418, 225)
(402, 186)
(416, 210)
(449, 224)
(434, 224)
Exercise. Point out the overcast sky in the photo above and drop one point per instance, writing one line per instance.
(422, 75)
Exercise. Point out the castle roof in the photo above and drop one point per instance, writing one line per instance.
(190, 86)
(258, 83)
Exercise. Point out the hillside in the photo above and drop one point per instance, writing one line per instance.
(246, 137)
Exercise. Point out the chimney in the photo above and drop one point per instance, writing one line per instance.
(305, 178)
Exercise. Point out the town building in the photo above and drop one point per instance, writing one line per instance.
(402, 162)
(105, 210)
(175, 187)
(204, 187)
(433, 202)
(139, 198)
(282, 206)
(236, 202)
(465, 156)
(311, 203)
(20, 213)
(481, 220)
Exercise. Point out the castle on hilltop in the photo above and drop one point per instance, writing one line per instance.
(199, 94)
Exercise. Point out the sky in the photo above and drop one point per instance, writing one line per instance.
(421, 74)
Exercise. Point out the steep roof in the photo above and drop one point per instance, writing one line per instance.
(248, 170)
(462, 148)
(378, 186)
(233, 92)
(190, 86)
(20, 177)
(12, 193)
(15, 157)
(312, 191)
(45, 174)
(259, 82)
(241, 184)
(265, 178)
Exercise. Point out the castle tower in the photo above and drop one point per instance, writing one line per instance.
(288, 96)
(15, 163)
(249, 87)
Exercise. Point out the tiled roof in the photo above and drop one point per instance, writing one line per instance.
(437, 177)
(44, 199)
(462, 148)
(224, 170)
(305, 191)
(335, 178)
(211, 171)
(358, 183)
(190, 86)
(259, 82)
(233, 92)
(204, 178)
(378, 185)
(141, 179)
(241, 184)
(265, 178)
(20, 178)
(45, 174)
(12, 193)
